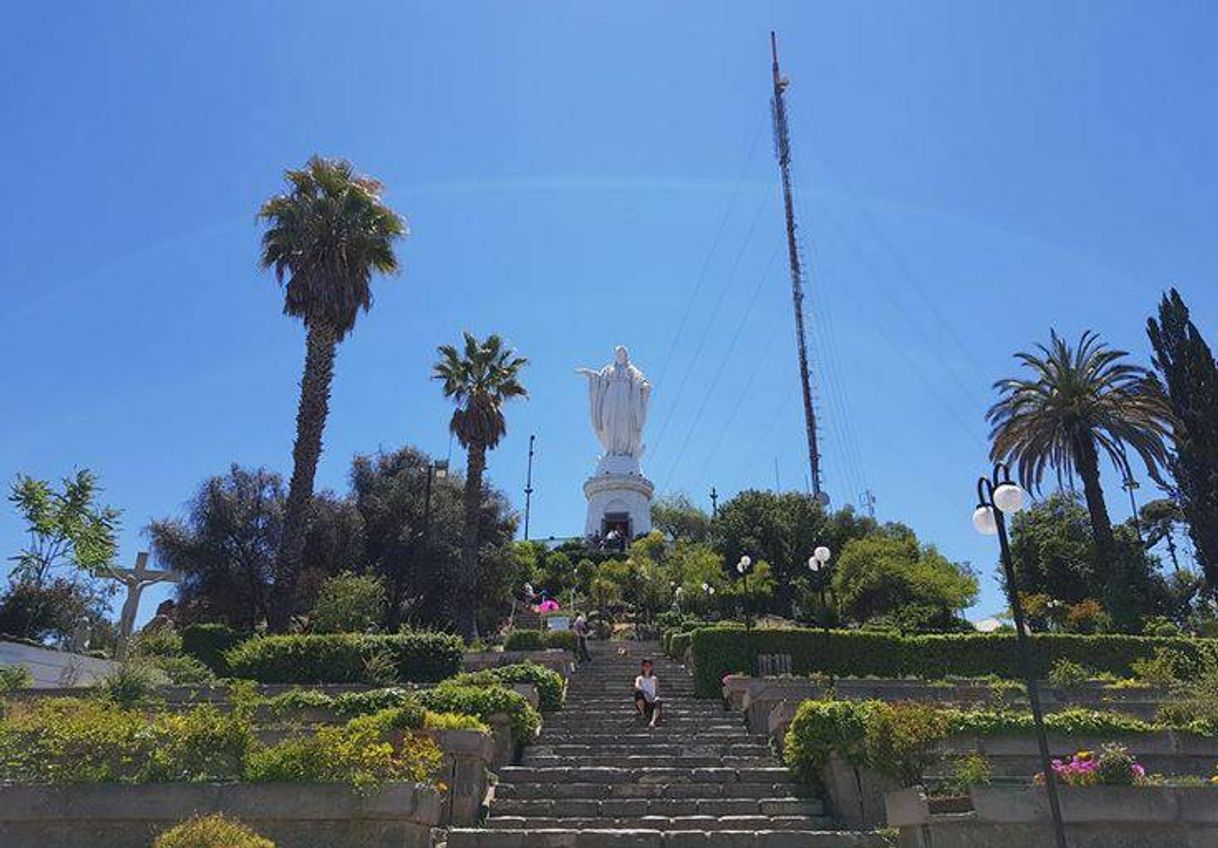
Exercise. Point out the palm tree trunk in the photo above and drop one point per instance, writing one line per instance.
(321, 343)
(465, 615)
(1119, 600)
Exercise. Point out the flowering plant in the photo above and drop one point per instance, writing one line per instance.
(1114, 765)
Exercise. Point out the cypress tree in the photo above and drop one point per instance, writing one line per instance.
(1187, 368)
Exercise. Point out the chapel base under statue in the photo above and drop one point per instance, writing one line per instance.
(619, 498)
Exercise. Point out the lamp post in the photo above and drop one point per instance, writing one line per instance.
(818, 562)
(742, 568)
(708, 592)
(997, 496)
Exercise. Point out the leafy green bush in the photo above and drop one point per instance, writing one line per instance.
(358, 753)
(68, 740)
(720, 650)
(422, 657)
(1163, 669)
(131, 683)
(824, 728)
(485, 702)
(455, 721)
(14, 677)
(297, 699)
(214, 831)
(208, 642)
(549, 683)
(348, 603)
(967, 770)
(902, 739)
(1068, 674)
(540, 640)
(372, 701)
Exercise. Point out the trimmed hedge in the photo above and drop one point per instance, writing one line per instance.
(421, 657)
(551, 689)
(484, 702)
(902, 739)
(208, 642)
(856, 653)
(540, 640)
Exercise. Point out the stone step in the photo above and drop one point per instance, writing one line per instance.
(532, 758)
(571, 838)
(652, 747)
(614, 774)
(703, 823)
(551, 735)
(602, 791)
(626, 807)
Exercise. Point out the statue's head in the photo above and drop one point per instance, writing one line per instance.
(621, 355)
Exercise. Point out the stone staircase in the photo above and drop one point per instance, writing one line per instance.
(597, 776)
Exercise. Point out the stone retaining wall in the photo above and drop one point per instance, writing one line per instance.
(292, 815)
(1095, 817)
(51, 668)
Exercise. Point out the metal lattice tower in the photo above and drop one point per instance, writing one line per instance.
(782, 149)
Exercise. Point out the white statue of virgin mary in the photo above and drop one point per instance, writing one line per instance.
(618, 395)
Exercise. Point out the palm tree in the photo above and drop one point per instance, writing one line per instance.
(1082, 401)
(324, 239)
(478, 379)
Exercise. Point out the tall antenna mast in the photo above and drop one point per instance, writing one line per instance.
(782, 149)
(528, 490)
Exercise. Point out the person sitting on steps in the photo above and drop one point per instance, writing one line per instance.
(647, 695)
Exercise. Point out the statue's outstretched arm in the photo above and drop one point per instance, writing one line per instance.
(587, 372)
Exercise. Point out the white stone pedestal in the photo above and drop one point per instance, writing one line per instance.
(619, 492)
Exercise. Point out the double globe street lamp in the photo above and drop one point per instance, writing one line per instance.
(997, 497)
(742, 568)
(818, 562)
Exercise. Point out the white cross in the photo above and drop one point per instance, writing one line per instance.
(136, 580)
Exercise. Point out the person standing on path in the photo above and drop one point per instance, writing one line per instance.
(647, 694)
(581, 639)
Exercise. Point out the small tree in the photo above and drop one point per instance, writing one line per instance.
(1190, 377)
(72, 540)
(348, 603)
(67, 528)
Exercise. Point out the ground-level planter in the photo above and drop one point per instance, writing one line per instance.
(292, 815)
(1095, 817)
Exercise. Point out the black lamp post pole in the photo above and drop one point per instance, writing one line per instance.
(985, 498)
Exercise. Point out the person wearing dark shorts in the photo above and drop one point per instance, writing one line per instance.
(647, 694)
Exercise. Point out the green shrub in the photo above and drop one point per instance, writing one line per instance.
(358, 753)
(902, 739)
(422, 657)
(455, 721)
(14, 677)
(348, 603)
(133, 682)
(214, 831)
(523, 640)
(1163, 669)
(720, 650)
(967, 770)
(297, 699)
(549, 683)
(485, 702)
(372, 701)
(184, 671)
(208, 642)
(540, 640)
(70, 740)
(1068, 674)
(821, 729)
(162, 642)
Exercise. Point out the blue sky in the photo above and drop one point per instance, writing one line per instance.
(969, 174)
